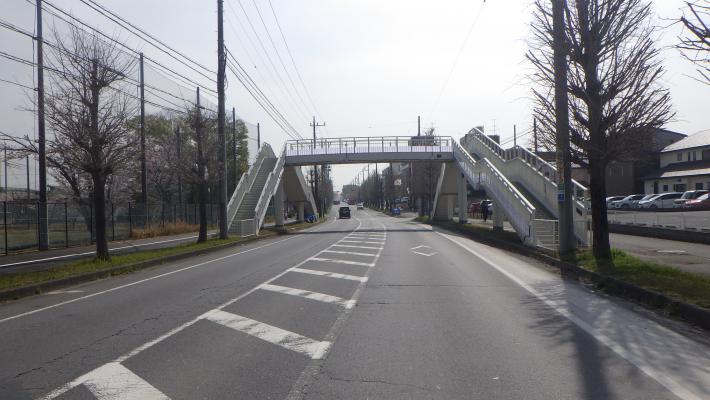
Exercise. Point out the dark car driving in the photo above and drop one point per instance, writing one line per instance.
(344, 212)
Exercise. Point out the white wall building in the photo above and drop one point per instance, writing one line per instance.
(684, 165)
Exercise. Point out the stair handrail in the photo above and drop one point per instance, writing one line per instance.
(520, 211)
(268, 190)
(245, 182)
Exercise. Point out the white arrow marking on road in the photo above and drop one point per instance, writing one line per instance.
(413, 249)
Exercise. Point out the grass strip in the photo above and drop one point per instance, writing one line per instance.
(674, 283)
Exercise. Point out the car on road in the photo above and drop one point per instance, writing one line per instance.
(611, 199)
(663, 200)
(635, 203)
(344, 212)
(701, 203)
(689, 195)
(360, 206)
(625, 203)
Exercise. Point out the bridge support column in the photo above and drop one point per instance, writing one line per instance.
(300, 206)
(449, 207)
(497, 217)
(463, 200)
(279, 205)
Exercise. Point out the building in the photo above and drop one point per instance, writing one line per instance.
(684, 165)
(625, 177)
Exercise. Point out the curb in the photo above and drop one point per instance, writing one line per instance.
(37, 288)
(691, 313)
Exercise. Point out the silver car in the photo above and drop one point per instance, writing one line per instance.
(663, 200)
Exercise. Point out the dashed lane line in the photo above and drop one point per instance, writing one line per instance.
(338, 261)
(307, 294)
(352, 253)
(330, 274)
(269, 333)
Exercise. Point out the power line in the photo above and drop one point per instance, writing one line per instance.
(16, 84)
(295, 67)
(260, 97)
(271, 62)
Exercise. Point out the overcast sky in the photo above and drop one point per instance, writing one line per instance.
(370, 66)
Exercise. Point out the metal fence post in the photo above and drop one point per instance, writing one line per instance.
(91, 222)
(113, 224)
(162, 214)
(130, 220)
(37, 212)
(66, 224)
(4, 218)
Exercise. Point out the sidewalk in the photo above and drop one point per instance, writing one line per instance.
(37, 260)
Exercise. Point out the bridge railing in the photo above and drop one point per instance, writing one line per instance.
(364, 145)
(246, 181)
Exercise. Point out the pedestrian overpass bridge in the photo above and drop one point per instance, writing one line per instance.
(522, 185)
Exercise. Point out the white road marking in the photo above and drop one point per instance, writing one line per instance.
(289, 340)
(354, 253)
(66, 387)
(334, 260)
(564, 309)
(330, 274)
(307, 294)
(113, 289)
(358, 241)
(423, 248)
(357, 247)
(113, 381)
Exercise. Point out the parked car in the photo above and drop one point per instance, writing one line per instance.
(701, 203)
(625, 203)
(663, 200)
(689, 195)
(635, 203)
(344, 212)
(611, 199)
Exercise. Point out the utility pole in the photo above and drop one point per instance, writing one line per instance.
(27, 158)
(179, 157)
(564, 173)
(258, 136)
(515, 135)
(144, 172)
(41, 153)
(316, 194)
(221, 65)
(419, 125)
(234, 147)
(535, 134)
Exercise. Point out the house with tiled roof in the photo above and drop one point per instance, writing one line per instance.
(684, 165)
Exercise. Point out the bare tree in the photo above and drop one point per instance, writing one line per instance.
(615, 99)
(695, 44)
(87, 111)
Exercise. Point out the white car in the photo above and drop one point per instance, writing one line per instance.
(663, 200)
(360, 206)
(612, 199)
(635, 203)
(625, 203)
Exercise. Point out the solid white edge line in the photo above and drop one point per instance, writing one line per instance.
(666, 382)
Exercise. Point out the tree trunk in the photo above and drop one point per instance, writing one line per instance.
(100, 217)
(600, 223)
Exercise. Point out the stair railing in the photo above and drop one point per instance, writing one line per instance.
(268, 190)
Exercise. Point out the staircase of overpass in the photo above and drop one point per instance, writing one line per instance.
(521, 185)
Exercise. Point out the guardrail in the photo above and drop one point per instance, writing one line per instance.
(670, 220)
(363, 145)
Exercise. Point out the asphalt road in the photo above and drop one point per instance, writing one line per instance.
(372, 307)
